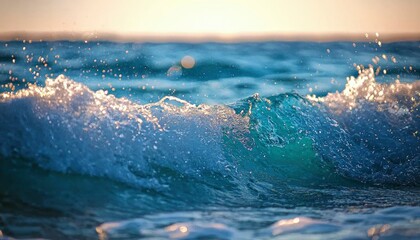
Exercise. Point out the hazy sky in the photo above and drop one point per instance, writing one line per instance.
(220, 17)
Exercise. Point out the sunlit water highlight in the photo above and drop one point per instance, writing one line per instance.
(163, 141)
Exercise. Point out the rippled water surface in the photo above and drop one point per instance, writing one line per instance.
(266, 140)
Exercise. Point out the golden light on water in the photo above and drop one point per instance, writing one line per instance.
(366, 88)
(376, 231)
(288, 221)
(287, 225)
(183, 229)
(177, 231)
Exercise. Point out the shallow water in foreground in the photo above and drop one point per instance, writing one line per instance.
(124, 141)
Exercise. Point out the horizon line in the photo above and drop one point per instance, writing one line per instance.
(211, 37)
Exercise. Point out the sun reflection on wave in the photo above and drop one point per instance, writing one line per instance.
(397, 97)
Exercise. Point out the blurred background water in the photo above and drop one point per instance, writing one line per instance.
(219, 72)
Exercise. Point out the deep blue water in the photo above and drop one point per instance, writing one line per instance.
(283, 140)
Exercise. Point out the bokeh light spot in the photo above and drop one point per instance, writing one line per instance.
(188, 62)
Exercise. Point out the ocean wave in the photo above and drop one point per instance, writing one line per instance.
(368, 133)
(66, 127)
(381, 124)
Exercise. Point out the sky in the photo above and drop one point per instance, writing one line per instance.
(215, 17)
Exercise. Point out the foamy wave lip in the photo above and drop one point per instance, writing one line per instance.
(397, 98)
(380, 124)
(66, 127)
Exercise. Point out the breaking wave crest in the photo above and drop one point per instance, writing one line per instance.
(368, 132)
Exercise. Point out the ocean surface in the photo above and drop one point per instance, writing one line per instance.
(259, 140)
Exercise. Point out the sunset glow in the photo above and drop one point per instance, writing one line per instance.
(211, 18)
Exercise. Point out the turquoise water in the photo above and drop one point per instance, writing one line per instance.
(268, 140)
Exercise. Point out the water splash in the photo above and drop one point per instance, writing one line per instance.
(397, 98)
(368, 133)
(66, 127)
(380, 124)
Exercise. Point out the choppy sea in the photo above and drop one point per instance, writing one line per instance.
(258, 140)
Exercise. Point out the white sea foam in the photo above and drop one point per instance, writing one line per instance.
(397, 97)
(66, 127)
(380, 122)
